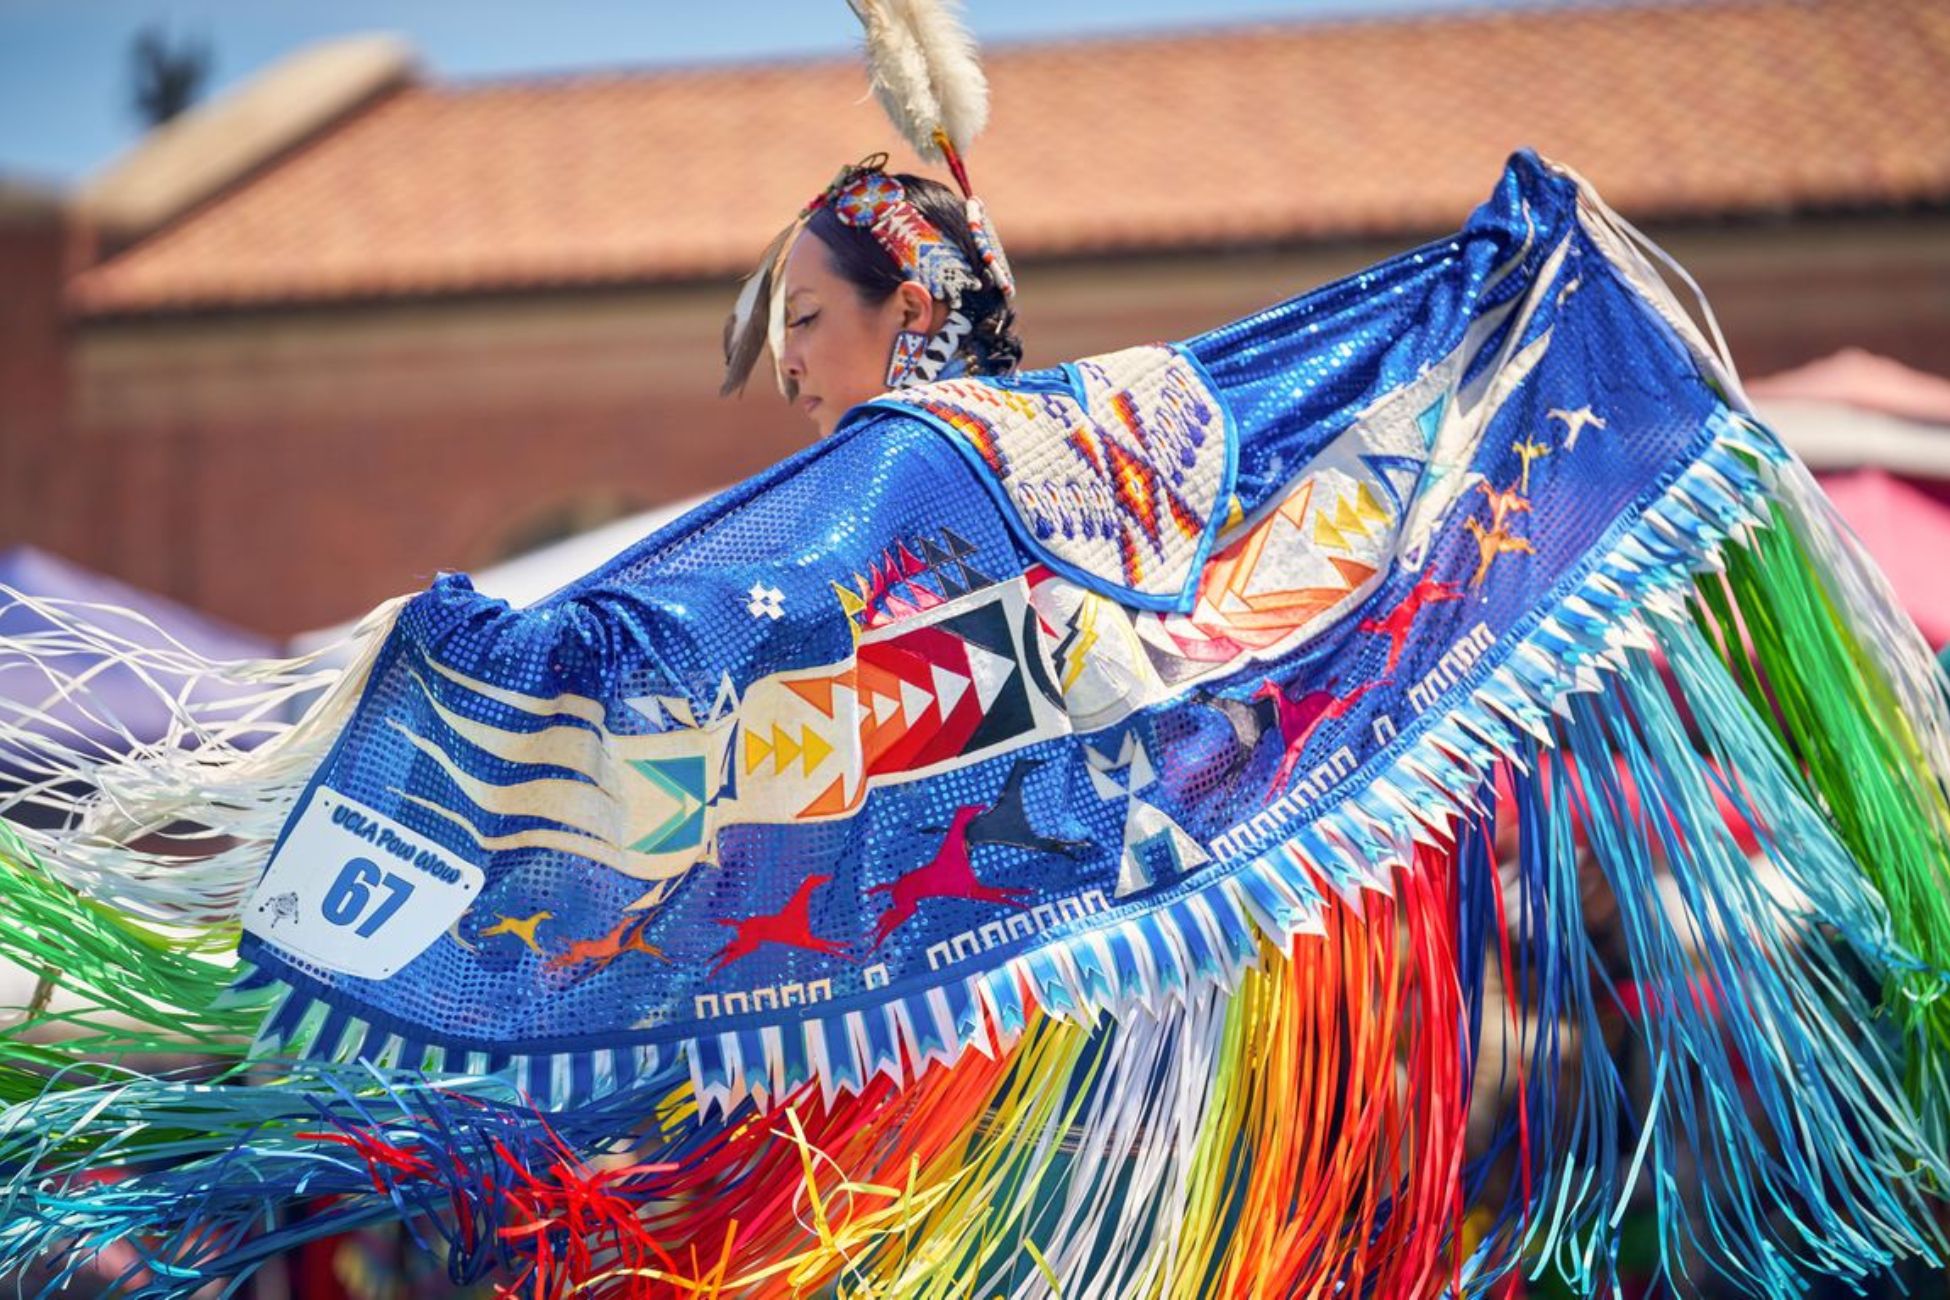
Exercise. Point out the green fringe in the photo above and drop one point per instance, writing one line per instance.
(147, 989)
(1830, 703)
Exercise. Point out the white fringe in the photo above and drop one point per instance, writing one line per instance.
(171, 827)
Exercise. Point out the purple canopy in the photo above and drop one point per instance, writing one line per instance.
(92, 663)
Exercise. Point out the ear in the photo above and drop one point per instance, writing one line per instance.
(916, 307)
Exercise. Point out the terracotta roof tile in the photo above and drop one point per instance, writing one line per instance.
(1240, 136)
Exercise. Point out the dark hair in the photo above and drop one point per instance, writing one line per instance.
(857, 257)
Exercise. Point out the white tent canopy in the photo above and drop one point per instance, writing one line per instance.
(1836, 436)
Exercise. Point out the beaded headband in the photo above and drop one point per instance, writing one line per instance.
(869, 199)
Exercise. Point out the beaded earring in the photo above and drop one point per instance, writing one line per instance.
(904, 362)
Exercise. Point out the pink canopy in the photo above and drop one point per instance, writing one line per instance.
(1865, 381)
(1906, 527)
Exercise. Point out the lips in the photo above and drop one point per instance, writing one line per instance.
(809, 404)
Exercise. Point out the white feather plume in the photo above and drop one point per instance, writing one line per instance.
(927, 71)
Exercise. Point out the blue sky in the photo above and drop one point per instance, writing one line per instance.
(64, 63)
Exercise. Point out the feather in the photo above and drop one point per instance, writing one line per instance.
(926, 72)
(775, 307)
(747, 329)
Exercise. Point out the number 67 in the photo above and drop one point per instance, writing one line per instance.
(352, 892)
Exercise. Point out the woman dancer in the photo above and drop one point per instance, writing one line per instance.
(1039, 839)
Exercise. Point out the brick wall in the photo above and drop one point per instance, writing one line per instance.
(287, 471)
(1795, 291)
(33, 362)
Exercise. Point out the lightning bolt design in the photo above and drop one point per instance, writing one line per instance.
(1073, 651)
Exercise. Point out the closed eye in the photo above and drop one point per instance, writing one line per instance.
(807, 319)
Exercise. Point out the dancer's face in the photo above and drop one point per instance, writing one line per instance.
(836, 345)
